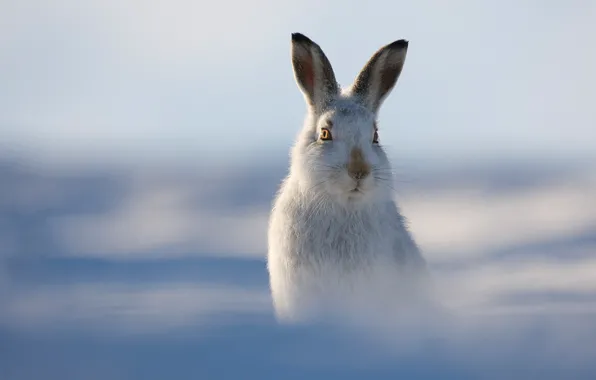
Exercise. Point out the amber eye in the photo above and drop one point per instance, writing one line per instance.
(325, 134)
(376, 137)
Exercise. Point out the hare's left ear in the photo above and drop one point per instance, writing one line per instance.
(379, 75)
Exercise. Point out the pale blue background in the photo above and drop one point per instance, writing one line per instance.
(178, 78)
(142, 143)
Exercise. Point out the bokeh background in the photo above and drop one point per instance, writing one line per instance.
(141, 143)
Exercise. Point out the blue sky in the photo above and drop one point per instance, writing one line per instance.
(184, 79)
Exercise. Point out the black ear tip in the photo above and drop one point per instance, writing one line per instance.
(299, 37)
(399, 44)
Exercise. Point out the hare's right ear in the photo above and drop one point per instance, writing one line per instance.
(313, 72)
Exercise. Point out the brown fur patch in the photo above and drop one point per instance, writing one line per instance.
(358, 168)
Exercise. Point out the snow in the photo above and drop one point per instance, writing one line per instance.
(102, 278)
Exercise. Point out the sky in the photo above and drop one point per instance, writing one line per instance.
(131, 80)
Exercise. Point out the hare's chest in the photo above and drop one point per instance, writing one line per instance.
(344, 239)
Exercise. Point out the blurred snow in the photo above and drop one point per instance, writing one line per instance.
(145, 272)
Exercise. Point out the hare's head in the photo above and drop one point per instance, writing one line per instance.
(338, 152)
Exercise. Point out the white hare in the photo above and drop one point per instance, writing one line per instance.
(335, 231)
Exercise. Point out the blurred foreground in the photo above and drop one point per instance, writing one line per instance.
(150, 273)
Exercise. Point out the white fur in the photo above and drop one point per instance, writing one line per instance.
(327, 244)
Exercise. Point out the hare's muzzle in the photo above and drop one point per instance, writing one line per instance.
(358, 168)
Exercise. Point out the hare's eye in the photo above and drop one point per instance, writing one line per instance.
(325, 134)
(376, 137)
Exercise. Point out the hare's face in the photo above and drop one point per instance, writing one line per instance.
(340, 154)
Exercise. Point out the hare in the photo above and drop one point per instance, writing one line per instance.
(335, 231)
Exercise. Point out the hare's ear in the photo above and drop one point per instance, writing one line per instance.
(313, 72)
(379, 75)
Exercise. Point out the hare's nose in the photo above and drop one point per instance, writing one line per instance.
(358, 175)
(358, 168)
